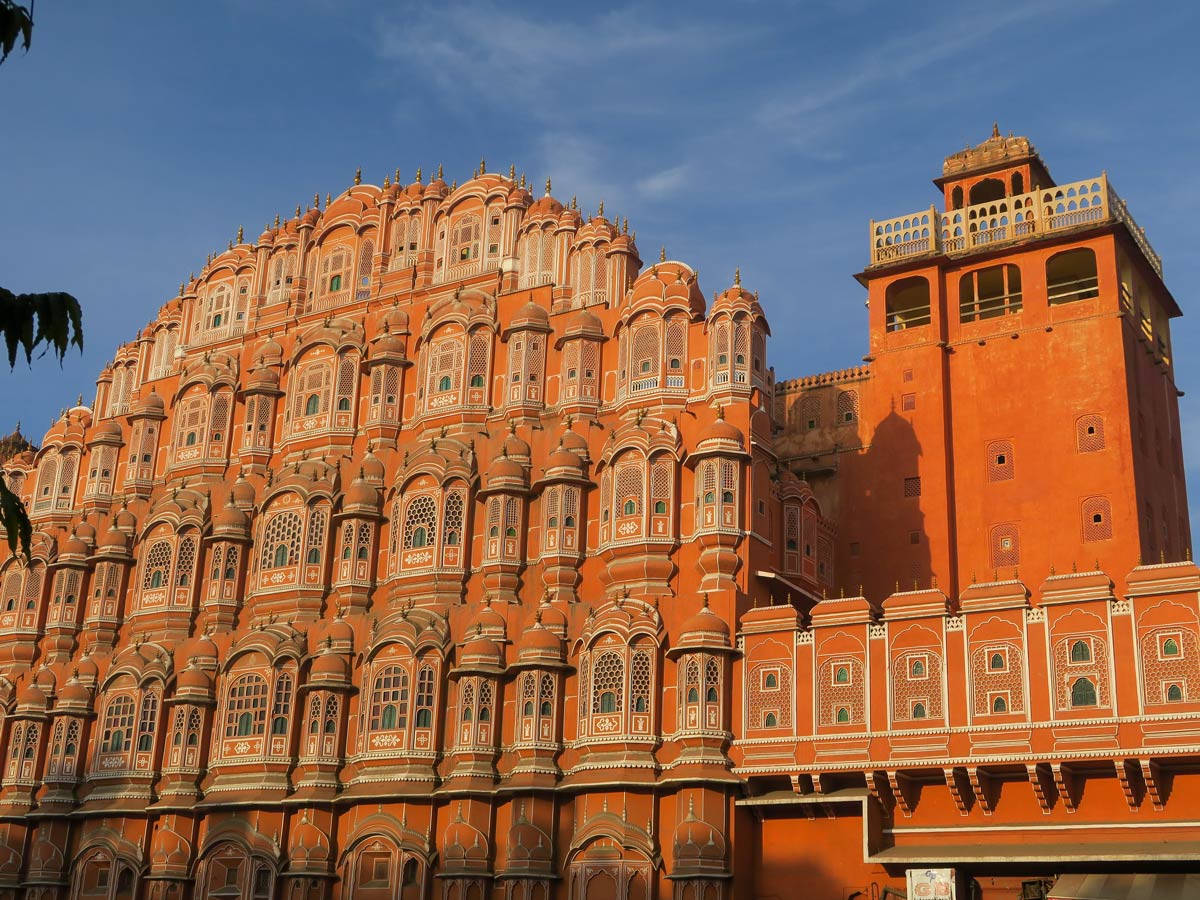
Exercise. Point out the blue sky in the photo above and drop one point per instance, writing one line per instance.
(137, 138)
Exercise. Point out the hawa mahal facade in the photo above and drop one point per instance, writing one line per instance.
(435, 546)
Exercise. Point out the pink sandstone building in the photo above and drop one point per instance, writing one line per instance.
(434, 545)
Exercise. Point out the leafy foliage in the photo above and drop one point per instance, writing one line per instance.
(15, 519)
(16, 23)
(27, 320)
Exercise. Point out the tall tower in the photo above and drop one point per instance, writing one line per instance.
(1018, 413)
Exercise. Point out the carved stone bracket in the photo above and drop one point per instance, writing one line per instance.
(1035, 614)
(877, 632)
(955, 623)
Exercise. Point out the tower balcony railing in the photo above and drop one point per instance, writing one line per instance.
(1020, 217)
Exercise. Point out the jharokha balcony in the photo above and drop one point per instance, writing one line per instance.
(1021, 217)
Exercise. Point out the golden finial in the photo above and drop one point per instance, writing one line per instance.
(396, 177)
(230, 247)
(418, 174)
(475, 174)
(297, 210)
(454, 185)
(512, 172)
(995, 129)
(328, 200)
(241, 231)
(574, 202)
(1162, 557)
(316, 201)
(358, 175)
(933, 582)
(482, 166)
(897, 587)
(387, 182)
(1052, 572)
(522, 181)
(600, 211)
(547, 185)
(737, 276)
(662, 254)
(181, 287)
(439, 172)
(625, 225)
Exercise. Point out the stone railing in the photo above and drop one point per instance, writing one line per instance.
(1019, 217)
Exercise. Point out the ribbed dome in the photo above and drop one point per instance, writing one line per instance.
(329, 666)
(193, 679)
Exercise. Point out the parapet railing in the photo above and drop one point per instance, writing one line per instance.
(1008, 219)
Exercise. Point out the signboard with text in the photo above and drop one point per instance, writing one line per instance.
(931, 884)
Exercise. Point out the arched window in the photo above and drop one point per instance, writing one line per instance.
(424, 698)
(996, 662)
(1080, 652)
(389, 699)
(770, 720)
(907, 304)
(1071, 275)
(918, 711)
(281, 556)
(988, 293)
(999, 705)
(156, 578)
(843, 715)
(246, 706)
(1174, 693)
(312, 405)
(1083, 692)
(841, 675)
(917, 669)
(608, 702)
(1170, 647)
(771, 681)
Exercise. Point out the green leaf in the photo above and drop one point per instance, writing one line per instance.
(15, 520)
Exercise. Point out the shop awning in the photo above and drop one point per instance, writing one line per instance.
(1125, 887)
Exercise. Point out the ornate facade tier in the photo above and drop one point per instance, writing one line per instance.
(434, 546)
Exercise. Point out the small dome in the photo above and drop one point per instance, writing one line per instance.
(107, 430)
(516, 446)
(340, 633)
(575, 442)
(86, 532)
(482, 652)
(488, 621)
(114, 539)
(311, 217)
(724, 431)
(539, 643)
(230, 520)
(242, 493)
(584, 323)
(530, 315)
(503, 471)
(387, 344)
(270, 350)
(371, 468)
(193, 679)
(362, 495)
(266, 238)
(201, 650)
(125, 520)
(329, 666)
(75, 693)
(87, 670)
(552, 617)
(395, 320)
(74, 546)
(29, 694)
(562, 458)
(150, 404)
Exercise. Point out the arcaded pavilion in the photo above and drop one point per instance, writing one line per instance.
(436, 546)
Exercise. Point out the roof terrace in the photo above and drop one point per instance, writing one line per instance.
(1022, 217)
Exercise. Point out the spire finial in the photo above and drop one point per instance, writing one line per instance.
(439, 171)
(482, 166)
(512, 171)
(995, 129)
(297, 213)
(276, 220)
(241, 232)
(358, 175)
(662, 253)
(547, 185)
(316, 201)
(625, 226)
(418, 174)
(396, 177)
(737, 276)
(600, 211)
(328, 199)
(387, 180)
